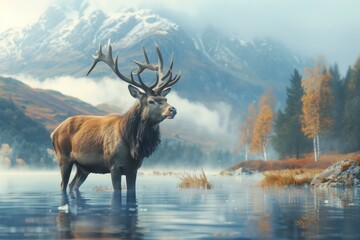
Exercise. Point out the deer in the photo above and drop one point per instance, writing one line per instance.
(117, 144)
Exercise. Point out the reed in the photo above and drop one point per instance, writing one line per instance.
(191, 181)
(288, 177)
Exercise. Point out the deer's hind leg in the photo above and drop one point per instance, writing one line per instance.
(78, 179)
(65, 165)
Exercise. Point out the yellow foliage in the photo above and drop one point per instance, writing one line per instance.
(317, 101)
(246, 129)
(263, 125)
(326, 102)
(311, 113)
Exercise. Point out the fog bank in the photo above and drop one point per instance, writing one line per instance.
(194, 120)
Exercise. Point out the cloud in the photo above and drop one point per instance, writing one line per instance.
(193, 118)
(18, 13)
(213, 121)
(104, 90)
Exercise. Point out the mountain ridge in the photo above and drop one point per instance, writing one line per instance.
(48, 107)
(223, 69)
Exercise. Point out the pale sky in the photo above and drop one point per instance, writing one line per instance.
(308, 27)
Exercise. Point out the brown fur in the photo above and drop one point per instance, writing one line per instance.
(108, 144)
(116, 144)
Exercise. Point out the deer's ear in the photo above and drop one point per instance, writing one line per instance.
(165, 92)
(135, 92)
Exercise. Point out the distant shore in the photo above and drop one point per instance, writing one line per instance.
(290, 172)
(306, 162)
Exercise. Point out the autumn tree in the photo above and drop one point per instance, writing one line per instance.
(311, 118)
(263, 125)
(317, 100)
(326, 100)
(246, 130)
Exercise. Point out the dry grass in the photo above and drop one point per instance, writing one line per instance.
(189, 181)
(345, 166)
(287, 177)
(162, 173)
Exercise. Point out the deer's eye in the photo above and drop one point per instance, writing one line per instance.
(151, 102)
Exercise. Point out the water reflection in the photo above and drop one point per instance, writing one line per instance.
(334, 209)
(235, 208)
(84, 220)
(311, 213)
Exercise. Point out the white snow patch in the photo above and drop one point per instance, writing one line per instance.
(57, 40)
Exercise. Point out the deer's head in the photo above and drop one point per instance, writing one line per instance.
(152, 98)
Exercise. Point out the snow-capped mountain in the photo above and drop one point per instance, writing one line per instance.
(214, 67)
(257, 61)
(67, 36)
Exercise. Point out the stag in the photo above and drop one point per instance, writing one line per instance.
(116, 144)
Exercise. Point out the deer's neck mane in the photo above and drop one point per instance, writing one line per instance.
(141, 136)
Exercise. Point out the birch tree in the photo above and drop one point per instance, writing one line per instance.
(246, 130)
(316, 110)
(263, 126)
(311, 118)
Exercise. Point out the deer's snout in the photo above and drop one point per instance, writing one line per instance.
(172, 112)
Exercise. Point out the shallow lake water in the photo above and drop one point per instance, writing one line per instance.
(236, 208)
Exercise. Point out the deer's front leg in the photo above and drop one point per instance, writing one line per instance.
(116, 178)
(131, 180)
(131, 185)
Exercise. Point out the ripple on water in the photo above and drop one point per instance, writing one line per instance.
(235, 208)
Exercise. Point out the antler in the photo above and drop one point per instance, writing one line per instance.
(161, 83)
(108, 59)
(156, 88)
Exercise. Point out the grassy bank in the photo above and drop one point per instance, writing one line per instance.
(287, 177)
(307, 162)
(290, 172)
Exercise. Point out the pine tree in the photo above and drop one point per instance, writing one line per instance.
(281, 140)
(289, 140)
(352, 109)
(336, 141)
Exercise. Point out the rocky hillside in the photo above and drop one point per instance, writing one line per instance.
(23, 141)
(45, 106)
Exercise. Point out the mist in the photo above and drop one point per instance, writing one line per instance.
(194, 122)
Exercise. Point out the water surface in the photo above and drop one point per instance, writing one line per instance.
(235, 209)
